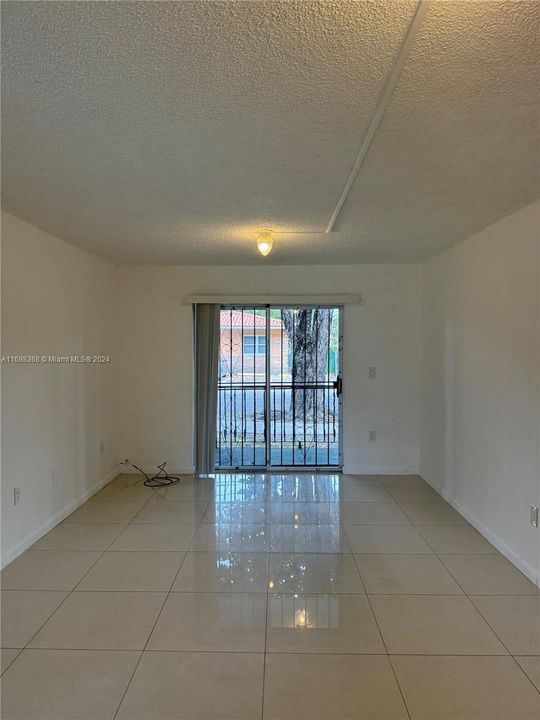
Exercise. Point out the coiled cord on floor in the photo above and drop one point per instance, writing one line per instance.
(160, 479)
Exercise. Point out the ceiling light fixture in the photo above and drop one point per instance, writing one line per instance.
(264, 241)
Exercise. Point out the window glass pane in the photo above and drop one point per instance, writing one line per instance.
(261, 344)
(249, 344)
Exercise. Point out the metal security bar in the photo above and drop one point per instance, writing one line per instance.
(279, 387)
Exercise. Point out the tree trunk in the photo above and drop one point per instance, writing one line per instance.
(308, 331)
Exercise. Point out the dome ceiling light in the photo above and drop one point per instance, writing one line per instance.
(264, 241)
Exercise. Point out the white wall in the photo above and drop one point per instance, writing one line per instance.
(480, 430)
(56, 300)
(155, 354)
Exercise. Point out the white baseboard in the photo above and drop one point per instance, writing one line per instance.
(398, 470)
(527, 569)
(62, 514)
(431, 481)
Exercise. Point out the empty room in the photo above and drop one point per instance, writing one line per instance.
(270, 388)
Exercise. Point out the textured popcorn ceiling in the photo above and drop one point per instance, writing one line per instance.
(161, 132)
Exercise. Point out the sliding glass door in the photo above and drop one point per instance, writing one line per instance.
(242, 393)
(279, 387)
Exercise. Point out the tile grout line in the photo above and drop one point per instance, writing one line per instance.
(69, 593)
(74, 589)
(479, 613)
(167, 595)
(382, 640)
(265, 632)
(281, 652)
(10, 663)
(465, 594)
(268, 558)
(278, 592)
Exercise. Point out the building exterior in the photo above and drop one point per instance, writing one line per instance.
(243, 345)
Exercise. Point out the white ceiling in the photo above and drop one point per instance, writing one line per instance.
(168, 132)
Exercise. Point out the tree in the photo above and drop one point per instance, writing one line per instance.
(309, 331)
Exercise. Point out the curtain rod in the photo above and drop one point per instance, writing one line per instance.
(320, 299)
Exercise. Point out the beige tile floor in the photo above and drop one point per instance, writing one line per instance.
(278, 596)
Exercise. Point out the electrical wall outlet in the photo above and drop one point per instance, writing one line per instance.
(372, 373)
(533, 515)
(102, 448)
(372, 436)
(16, 495)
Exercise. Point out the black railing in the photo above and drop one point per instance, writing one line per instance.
(297, 438)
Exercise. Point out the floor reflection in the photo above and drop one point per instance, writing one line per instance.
(274, 538)
(304, 612)
(299, 573)
(231, 487)
(271, 513)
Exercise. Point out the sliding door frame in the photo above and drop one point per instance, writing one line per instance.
(268, 443)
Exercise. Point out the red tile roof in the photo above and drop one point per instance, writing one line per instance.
(238, 319)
